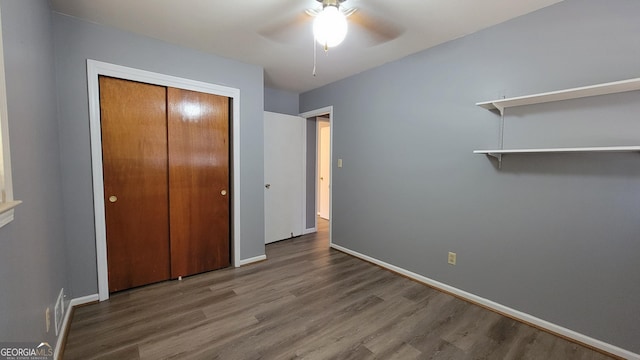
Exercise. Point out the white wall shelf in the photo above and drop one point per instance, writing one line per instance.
(567, 94)
(498, 153)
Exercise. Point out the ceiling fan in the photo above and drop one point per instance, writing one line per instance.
(330, 22)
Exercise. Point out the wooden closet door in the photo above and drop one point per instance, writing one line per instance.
(198, 128)
(134, 151)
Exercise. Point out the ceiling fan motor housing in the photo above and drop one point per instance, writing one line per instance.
(326, 3)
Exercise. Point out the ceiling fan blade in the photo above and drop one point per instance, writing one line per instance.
(286, 31)
(313, 12)
(379, 30)
(348, 11)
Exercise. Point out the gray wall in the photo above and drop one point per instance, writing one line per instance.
(32, 247)
(555, 236)
(281, 101)
(75, 42)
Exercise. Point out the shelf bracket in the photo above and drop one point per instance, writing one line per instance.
(498, 157)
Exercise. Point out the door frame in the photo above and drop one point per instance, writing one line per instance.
(97, 68)
(312, 114)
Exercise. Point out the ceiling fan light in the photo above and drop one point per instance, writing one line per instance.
(330, 27)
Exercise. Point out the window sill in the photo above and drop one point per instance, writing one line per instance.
(6, 212)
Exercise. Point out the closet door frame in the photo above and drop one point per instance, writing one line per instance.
(97, 68)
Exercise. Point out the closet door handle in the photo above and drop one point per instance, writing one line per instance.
(223, 192)
(113, 198)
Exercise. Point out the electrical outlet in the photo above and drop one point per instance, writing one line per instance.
(452, 258)
(47, 318)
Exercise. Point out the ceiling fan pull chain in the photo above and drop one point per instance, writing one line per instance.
(315, 58)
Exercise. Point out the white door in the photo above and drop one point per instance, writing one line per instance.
(283, 176)
(324, 168)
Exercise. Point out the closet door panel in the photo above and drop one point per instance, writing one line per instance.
(134, 150)
(198, 129)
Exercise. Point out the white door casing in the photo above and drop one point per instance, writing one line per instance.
(284, 168)
(312, 115)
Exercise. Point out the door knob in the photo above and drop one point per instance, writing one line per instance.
(223, 192)
(267, 186)
(113, 198)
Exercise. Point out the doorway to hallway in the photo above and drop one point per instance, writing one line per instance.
(324, 166)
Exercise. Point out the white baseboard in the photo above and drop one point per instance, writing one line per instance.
(252, 260)
(530, 319)
(309, 231)
(67, 318)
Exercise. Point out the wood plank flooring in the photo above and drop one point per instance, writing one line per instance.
(306, 301)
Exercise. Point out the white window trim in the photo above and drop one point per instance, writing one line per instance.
(7, 203)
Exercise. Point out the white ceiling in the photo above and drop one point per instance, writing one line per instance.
(233, 28)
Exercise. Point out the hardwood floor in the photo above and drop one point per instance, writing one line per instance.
(306, 301)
